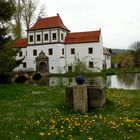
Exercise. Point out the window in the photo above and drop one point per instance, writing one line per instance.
(62, 51)
(90, 50)
(72, 51)
(45, 37)
(34, 52)
(38, 38)
(69, 68)
(90, 64)
(31, 38)
(20, 54)
(62, 37)
(54, 36)
(50, 51)
(24, 64)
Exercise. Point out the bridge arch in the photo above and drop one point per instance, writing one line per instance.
(37, 76)
(21, 79)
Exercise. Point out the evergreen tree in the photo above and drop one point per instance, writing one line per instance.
(7, 59)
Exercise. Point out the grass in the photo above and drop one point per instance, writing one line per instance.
(116, 71)
(30, 112)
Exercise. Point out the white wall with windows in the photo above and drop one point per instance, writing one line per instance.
(52, 51)
(91, 53)
(46, 36)
(61, 56)
(22, 54)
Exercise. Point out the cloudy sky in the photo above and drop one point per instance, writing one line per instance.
(119, 20)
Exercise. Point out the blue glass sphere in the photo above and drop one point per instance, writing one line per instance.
(80, 80)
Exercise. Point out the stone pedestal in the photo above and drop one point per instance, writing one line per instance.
(83, 97)
(80, 99)
(96, 96)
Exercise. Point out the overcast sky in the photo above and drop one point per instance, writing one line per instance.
(119, 20)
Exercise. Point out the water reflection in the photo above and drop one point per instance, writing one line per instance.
(124, 81)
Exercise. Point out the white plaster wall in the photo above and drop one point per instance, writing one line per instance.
(24, 54)
(81, 52)
(107, 59)
(54, 60)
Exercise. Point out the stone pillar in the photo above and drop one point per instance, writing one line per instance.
(69, 96)
(80, 99)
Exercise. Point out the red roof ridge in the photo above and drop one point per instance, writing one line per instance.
(86, 31)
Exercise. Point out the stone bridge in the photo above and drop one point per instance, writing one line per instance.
(29, 75)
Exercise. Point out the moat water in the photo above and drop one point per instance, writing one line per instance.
(124, 81)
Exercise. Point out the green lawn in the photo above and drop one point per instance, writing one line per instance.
(30, 112)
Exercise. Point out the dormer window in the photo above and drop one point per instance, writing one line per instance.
(46, 37)
(31, 38)
(38, 38)
(54, 36)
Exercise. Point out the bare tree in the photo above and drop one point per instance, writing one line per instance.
(29, 8)
(42, 11)
(16, 22)
(26, 13)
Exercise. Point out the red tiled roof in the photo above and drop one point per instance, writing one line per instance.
(49, 22)
(105, 51)
(21, 43)
(82, 37)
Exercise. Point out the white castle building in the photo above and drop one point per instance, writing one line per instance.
(51, 47)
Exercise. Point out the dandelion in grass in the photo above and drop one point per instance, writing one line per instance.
(89, 138)
(41, 134)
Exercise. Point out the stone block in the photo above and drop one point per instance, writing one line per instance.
(80, 98)
(96, 96)
(69, 96)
